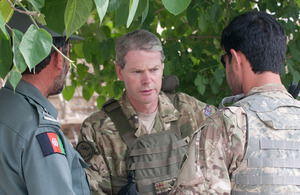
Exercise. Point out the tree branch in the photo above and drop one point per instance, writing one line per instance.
(33, 13)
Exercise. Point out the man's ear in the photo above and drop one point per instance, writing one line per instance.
(236, 59)
(119, 72)
(57, 60)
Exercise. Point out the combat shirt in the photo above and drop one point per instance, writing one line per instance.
(218, 149)
(109, 157)
(27, 166)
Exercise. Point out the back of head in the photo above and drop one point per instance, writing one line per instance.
(260, 37)
(137, 40)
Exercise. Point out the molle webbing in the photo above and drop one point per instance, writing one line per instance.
(155, 158)
(271, 164)
(283, 145)
(276, 162)
(268, 180)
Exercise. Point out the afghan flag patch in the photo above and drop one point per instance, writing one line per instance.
(50, 143)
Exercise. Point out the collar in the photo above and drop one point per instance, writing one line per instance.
(267, 88)
(28, 90)
(166, 109)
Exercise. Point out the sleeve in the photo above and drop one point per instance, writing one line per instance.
(214, 152)
(45, 167)
(194, 111)
(98, 173)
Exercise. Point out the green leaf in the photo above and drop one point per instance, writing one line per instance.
(100, 101)
(5, 55)
(114, 5)
(192, 16)
(54, 11)
(214, 11)
(2, 27)
(176, 6)
(68, 92)
(202, 23)
(219, 76)
(102, 6)
(6, 10)
(35, 45)
(14, 77)
(37, 4)
(132, 10)
(19, 60)
(122, 13)
(201, 82)
(76, 14)
(145, 12)
(82, 70)
(87, 92)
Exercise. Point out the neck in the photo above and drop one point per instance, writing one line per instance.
(261, 79)
(41, 81)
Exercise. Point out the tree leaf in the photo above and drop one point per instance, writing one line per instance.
(219, 76)
(76, 14)
(68, 92)
(35, 45)
(6, 10)
(87, 92)
(54, 11)
(114, 5)
(100, 101)
(176, 6)
(101, 6)
(201, 82)
(14, 77)
(122, 13)
(18, 60)
(5, 55)
(132, 11)
(145, 12)
(37, 4)
(2, 27)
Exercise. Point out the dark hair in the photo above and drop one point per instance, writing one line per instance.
(59, 42)
(260, 37)
(137, 40)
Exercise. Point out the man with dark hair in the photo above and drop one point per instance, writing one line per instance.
(251, 147)
(143, 136)
(35, 157)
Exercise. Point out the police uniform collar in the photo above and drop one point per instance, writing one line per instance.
(28, 90)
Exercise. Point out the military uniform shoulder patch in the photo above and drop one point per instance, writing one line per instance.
(207, 111)
(50, 143)
(85, 149)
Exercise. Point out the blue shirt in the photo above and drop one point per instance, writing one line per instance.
(35, 156)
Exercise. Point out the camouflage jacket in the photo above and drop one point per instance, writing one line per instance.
(108, 151)
(218, 148)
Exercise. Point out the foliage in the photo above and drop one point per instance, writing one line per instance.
(190, 32)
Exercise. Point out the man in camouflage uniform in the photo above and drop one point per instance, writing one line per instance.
(139, 63)
(251, 147)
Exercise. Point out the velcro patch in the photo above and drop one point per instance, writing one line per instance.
(164, 187)
(85, 149)
(207, 111)
(50, 143)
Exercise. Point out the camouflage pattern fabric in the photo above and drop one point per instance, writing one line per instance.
(218, 149)
(110, 151)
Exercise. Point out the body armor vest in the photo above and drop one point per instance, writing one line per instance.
(271, 164)
(154, 159)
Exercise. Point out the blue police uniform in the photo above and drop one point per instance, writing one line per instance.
(35, 156)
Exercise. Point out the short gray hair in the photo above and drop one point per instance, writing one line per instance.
(137, 40)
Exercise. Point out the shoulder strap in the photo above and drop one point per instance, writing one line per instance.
(113, 109)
